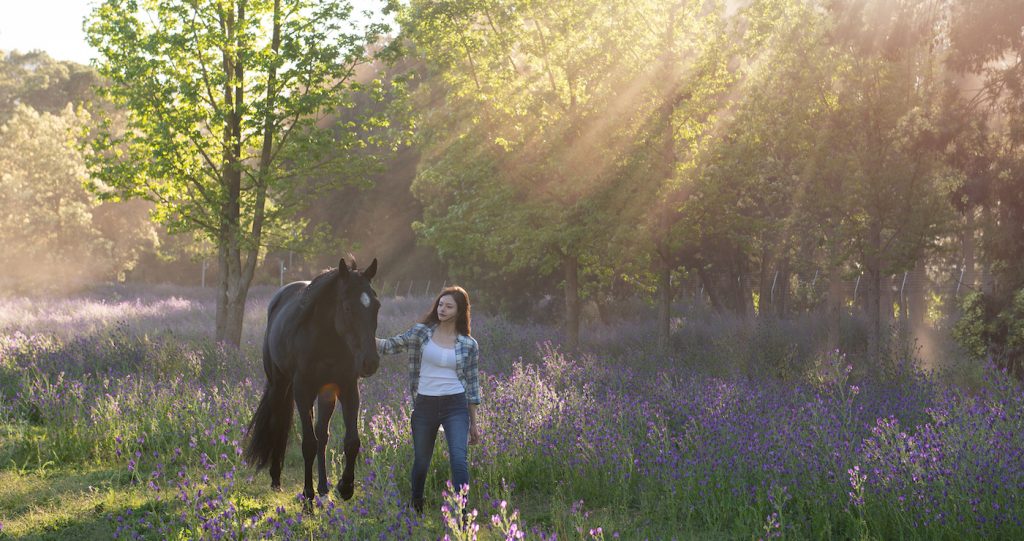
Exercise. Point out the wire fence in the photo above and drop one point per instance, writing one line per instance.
(806, 287)
(409, 288)
(802, 290)
(898, 287)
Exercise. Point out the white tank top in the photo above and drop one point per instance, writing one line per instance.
(437, 371)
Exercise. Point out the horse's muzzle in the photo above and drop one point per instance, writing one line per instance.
(370, 365)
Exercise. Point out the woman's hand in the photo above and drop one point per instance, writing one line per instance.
(474, 432)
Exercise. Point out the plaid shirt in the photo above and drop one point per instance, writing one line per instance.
(467, 357)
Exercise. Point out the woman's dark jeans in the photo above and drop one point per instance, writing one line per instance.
(429, 413)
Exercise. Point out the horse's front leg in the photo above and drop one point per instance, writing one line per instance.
(304, 398)
(325, 408)
(350, 412)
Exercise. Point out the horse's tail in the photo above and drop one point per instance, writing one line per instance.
(268, 430)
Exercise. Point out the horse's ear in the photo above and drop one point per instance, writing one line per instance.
(371, 270)
(343, 269)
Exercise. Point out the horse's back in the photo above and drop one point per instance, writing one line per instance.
(280, 312)
(286, 294)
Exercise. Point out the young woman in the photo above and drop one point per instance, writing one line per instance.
(444, 382)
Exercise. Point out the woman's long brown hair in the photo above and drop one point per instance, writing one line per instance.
(462, 317)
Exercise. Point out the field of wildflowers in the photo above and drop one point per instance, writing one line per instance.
(120, 418)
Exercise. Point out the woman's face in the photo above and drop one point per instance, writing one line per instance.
(446, 308)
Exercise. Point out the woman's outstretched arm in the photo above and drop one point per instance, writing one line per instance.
(402, 342)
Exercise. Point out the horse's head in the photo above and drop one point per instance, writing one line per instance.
(355, 315)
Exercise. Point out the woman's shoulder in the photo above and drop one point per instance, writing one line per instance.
(469, 340)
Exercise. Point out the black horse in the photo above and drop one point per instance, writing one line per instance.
(320, 339)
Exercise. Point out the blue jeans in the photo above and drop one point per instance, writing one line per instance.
(429, 413)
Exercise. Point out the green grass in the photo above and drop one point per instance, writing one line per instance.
(575, 442)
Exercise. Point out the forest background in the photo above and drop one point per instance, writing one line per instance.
(764, 158)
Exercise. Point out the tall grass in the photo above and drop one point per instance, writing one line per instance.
(120, 417)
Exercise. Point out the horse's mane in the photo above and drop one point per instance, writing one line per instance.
(313, 291)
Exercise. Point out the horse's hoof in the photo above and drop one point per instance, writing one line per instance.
(307, 502)
(275, 488)
(346, 490)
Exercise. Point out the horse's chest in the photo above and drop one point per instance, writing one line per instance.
(329, 368)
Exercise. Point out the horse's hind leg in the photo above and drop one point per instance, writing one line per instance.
(268, 431)
(304, 401)
(350, 411)
(325, 408)
(282, 425)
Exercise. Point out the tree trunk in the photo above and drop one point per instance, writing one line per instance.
(668, 160)
(234, 281)
(745, 299)
(764, 302)
(711, 290)
(834, 306)
(873, 312)
(781, 300)
(736, 287)
(664, 301)
(235, 316)
(873, 274)
(916, 303)
(222, 290)
(572, 300)
(234, 287)
(969, 244)
(987, 278)
(885, 301)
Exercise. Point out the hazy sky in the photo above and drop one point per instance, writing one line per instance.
(55, 26)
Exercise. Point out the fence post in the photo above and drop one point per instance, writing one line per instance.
(903, 286)
(427, 291)
(771, 297)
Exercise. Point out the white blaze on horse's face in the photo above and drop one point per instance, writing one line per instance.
(365, 300)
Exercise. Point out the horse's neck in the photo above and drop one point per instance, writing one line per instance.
(323, 309)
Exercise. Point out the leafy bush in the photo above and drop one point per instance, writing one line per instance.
(989, 327)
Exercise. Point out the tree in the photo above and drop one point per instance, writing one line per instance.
(689, 45)
(988, 46)
(224, 132)
(885, 145)
(828, 148)
(535, 91)
(53, 234)
(42, 83)
(745, 130)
